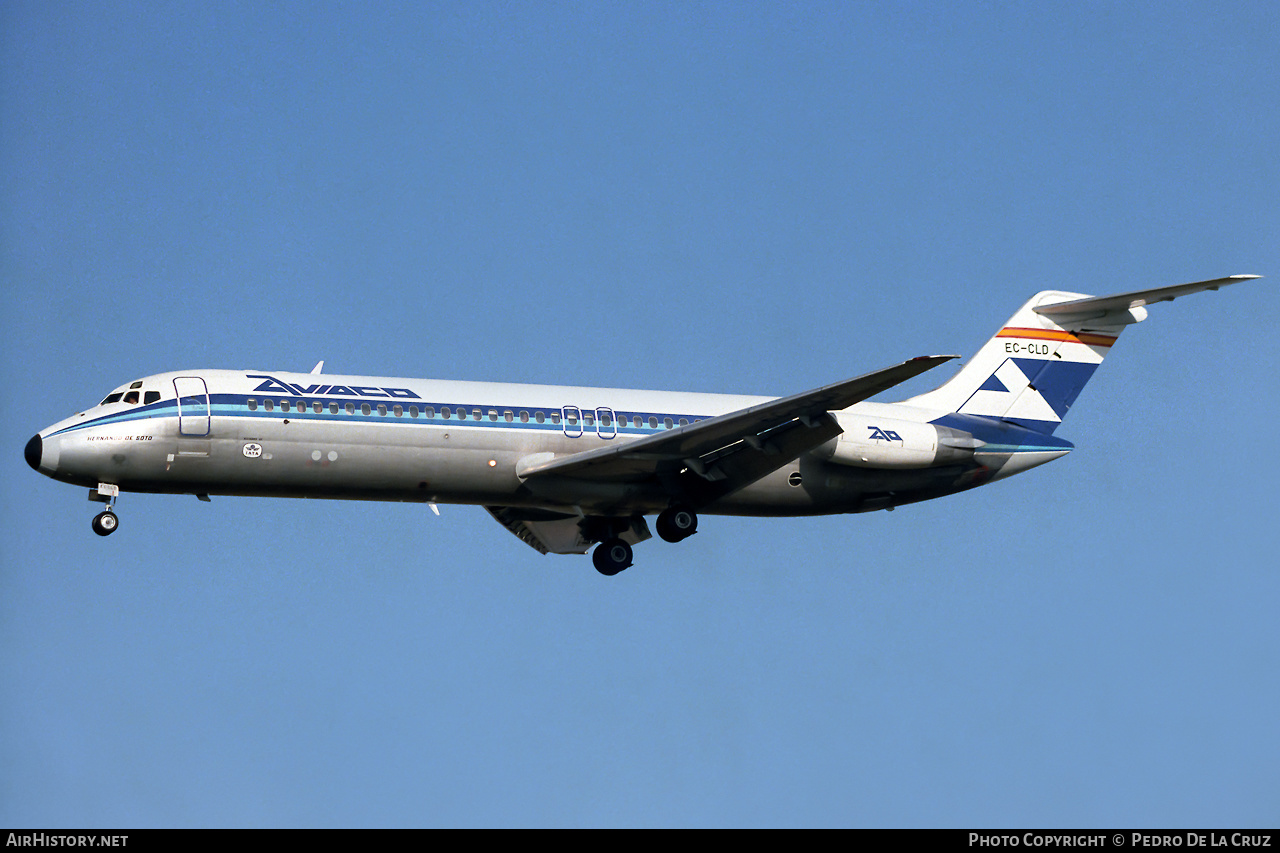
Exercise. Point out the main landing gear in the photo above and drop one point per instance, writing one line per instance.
(611, 556)
(105, 522)
(614, 554)
(677, 523)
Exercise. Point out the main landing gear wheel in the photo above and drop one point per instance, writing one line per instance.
(677, 523)
(611, 556)
(105, 523)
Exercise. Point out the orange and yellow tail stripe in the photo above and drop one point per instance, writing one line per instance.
(1086, 338)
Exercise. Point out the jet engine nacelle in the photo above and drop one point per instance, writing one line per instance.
(874, 442)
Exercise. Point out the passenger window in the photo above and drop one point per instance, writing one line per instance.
(364, 409)
(268, 404)
(555, 418)
(350, 408)
(653, 422)
(462, 414)
(382, 409)
(476, 414)
(317, 407)
(524, 417)
(493, 414)
(253, 405)
(508, 417)
(445, 413)
(666, 422)
(333, 408)
(284, 405)
(684, 422)
(396, 410)
(413, 411)
(429, 412)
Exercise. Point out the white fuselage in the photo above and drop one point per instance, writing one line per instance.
(220, 432)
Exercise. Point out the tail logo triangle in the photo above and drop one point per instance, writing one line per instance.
(1008, 394)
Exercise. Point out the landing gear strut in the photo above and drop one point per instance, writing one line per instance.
(611, 556)
(677, 523)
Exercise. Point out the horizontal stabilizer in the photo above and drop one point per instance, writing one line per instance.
(1100, 306)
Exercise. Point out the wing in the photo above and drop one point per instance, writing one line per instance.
(551, 532)
(1098, 306)
(545, 531)
(734, 449)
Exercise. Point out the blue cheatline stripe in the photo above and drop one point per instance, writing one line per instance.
(301, 409)
(162, 409)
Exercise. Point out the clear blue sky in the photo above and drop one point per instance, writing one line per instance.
(750, 198)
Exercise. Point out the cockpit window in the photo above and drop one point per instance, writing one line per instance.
(131, 397)
(137, 384)
(151, 397)
(111, 398)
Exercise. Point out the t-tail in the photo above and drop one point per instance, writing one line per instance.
(1031, 372)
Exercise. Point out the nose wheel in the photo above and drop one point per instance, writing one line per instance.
(105, 523)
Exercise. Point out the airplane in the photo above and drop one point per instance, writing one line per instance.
(568, 468)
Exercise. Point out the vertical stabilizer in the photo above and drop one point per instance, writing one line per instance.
(1031, 372)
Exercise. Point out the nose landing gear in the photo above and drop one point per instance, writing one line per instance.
(105, 522)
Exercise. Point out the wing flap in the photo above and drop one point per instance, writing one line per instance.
(544, 531)
(550, 532)
(724, 471)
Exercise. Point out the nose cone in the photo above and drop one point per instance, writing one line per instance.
(35, 447)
